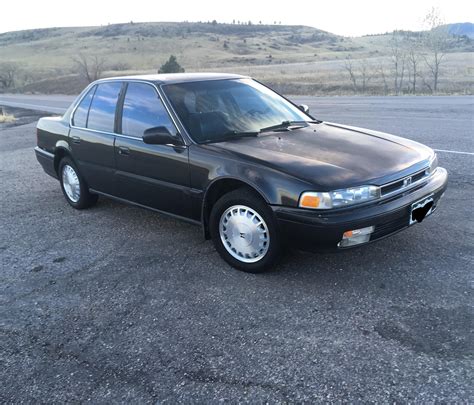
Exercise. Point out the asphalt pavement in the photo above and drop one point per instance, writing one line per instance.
(119, 304)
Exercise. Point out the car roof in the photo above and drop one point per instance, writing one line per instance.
(172, 78)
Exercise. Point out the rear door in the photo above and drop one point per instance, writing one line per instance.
(156, 176)
(92, 135)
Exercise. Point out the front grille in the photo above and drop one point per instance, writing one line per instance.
(418, 176)
(404, 183)
(390, 188)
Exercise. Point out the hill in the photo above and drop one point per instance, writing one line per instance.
(462, 29)
(145, 45)
(296, 59)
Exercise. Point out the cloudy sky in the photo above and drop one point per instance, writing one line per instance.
(344, 17)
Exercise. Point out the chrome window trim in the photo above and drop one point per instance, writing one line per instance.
(108, 133)
(86, 91)
(78, 101)
(84, 94)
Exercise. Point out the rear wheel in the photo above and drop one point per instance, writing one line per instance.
(244, 231)
(74, 187)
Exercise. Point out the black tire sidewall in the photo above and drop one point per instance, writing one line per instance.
(251, 200)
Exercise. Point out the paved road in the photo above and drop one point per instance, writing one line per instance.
(118, 304)
(54, 104)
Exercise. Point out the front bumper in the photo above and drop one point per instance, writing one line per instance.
(322, 231)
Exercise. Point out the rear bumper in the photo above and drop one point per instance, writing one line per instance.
(46, 160)
(322, 231)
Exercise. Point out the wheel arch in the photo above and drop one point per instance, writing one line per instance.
(216, 189)
(61, 150)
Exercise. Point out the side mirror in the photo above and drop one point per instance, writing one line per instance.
(159, 136)
(304, 108)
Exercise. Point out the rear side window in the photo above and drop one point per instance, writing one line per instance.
(143, 109)
(102, 110)
(80, 116)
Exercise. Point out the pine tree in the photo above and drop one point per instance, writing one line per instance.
(171, 66)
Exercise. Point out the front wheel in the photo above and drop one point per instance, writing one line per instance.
(73, 185)
(244, 231)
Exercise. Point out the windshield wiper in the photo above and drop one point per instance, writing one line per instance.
(244, 134)
(232, 135)
(287, 124)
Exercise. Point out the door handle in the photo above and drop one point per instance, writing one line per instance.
(122, 150)
(76, 139)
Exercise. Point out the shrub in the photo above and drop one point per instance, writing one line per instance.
(171, 66)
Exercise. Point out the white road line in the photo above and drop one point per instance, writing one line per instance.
(454, 151)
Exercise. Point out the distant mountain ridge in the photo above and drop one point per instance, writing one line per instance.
(293, 33)
(465, 28)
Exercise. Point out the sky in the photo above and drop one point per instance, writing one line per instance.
(343, 17)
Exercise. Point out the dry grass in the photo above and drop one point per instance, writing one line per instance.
(6, 118)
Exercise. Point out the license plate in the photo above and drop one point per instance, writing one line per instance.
(421, 209)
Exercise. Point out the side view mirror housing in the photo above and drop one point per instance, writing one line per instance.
(304, 108)
(159, 136)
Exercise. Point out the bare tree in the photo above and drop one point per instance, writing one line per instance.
(349, 68)
(365, 73)
(413, 55)
(398, 61)
(89, 67)
(360, 74)
(8, 74)
(381, 71)
(436, 41)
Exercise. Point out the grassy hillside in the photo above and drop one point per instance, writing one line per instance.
(296, 59)
(146, 45)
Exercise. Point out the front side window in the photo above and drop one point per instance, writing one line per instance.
(82, 110)
(102, 110)
(142, 110)
(211, 110)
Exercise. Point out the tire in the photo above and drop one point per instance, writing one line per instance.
(254, 245)
(74, 187)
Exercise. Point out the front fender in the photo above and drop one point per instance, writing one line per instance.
(277, 188)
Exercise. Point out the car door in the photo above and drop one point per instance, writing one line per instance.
(156, 176)
(92, 135)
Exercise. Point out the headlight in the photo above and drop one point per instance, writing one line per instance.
(338, 198)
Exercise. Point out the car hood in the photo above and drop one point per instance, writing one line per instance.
(332, 156)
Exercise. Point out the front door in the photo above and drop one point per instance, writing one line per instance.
(156, 176)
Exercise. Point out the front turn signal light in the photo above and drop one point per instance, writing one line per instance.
(310, 201)
(315, 200)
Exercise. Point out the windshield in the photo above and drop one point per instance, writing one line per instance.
(218, 109)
